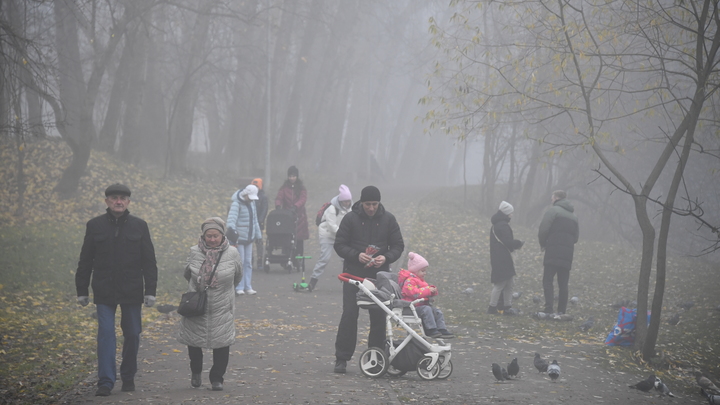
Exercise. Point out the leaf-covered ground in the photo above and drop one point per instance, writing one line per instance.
(455, 241)
(47, 342)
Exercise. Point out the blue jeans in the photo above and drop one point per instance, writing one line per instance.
(432, 317)
(246, 259)
(131, 324)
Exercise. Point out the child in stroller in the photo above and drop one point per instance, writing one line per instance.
(413, 285)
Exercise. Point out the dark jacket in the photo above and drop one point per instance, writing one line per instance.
(357, 231)
(501, 260)
(558, 234)
(293, 197)
(119, 255)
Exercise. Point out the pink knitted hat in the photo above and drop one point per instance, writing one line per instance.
(344, 193)
(416, 262)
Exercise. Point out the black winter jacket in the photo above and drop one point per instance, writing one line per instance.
(357, 231)
(501, 260)
(119, 255)
(558, 234)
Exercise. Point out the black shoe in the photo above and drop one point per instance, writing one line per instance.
(492, 310)
(433, 333)
(103, 391)
(128, 386)
(195, 380)
(445, 334)
(340, 366)
(311, 285)
(217, 386)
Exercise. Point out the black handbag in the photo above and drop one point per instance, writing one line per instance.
(232, 236)
(193, 303)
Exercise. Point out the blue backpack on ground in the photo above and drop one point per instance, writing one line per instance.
(623, 333)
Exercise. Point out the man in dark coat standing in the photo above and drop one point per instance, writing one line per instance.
(558, 234)
(119, 256)
(367, 224)
(502, 244)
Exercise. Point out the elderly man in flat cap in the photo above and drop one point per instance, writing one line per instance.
(119, 256)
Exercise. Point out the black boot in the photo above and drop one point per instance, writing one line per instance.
(492, 310)
(311, 286)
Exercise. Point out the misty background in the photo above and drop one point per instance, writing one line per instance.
(509, 100)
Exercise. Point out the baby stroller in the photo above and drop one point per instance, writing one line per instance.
(413, 352)
(280, 244)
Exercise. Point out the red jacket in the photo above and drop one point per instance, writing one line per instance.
(287, 199)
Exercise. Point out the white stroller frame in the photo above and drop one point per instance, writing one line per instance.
(374, 362)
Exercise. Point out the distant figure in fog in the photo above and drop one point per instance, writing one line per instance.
(293, 196)
(558, 234)
(502, 244)
(261, 206)
(333, 215)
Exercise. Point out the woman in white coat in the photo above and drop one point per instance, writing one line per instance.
(333, 215)
(216, 328)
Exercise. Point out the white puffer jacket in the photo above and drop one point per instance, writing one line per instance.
(331, 221)
(216, 328)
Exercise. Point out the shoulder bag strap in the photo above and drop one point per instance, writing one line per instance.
(214, 269)
(496, 238)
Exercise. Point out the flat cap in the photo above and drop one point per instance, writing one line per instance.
(116, 189)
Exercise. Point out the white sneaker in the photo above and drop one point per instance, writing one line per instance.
(239, 292)
(250, 292)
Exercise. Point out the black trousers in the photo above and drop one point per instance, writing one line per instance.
(221, 357)
(346, 339)
(563, 277)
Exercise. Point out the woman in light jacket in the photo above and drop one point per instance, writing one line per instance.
(242, 218)
(216, 328)
(333, 215)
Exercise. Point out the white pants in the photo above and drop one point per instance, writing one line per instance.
(505, 287)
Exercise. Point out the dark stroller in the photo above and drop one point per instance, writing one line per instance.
(280, 244)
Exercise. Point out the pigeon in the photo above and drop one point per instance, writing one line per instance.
(553, 370)
(687, 305)
(674, 320)
(517, 294)
(574, 300)
(662, 388)
(538, 300)
(468, 291)
(497, 372)
(513, 368)
(712, 399)
(541, 315)
(645, 385)
(166, 308)
(540, 364)
(504, 373)
(512, 311)
(587, 325)
(562, 317)
(705, 383)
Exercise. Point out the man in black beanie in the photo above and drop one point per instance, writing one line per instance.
(367, 224)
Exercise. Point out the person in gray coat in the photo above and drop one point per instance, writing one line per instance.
(558, 234)
(216, 328)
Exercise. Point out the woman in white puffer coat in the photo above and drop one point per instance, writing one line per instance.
(333, 215)
(216, 328)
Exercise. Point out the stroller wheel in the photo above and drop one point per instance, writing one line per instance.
(393, 372)
(373, 362)
(445, 371)
(424, 372)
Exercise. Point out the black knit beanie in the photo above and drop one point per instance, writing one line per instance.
(370, 193)
(293, 171)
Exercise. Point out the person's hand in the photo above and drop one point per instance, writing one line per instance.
(364, 258)
(379, 261)
(83, 300)
(433, 290)
(149, 300)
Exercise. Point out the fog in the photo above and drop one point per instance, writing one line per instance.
(615, 103)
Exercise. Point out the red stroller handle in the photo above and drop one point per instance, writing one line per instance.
(347, 277)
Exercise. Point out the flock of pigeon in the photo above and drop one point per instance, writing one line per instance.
(707, 388)
(542, 365)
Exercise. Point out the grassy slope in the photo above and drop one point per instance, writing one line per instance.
(47, 342)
